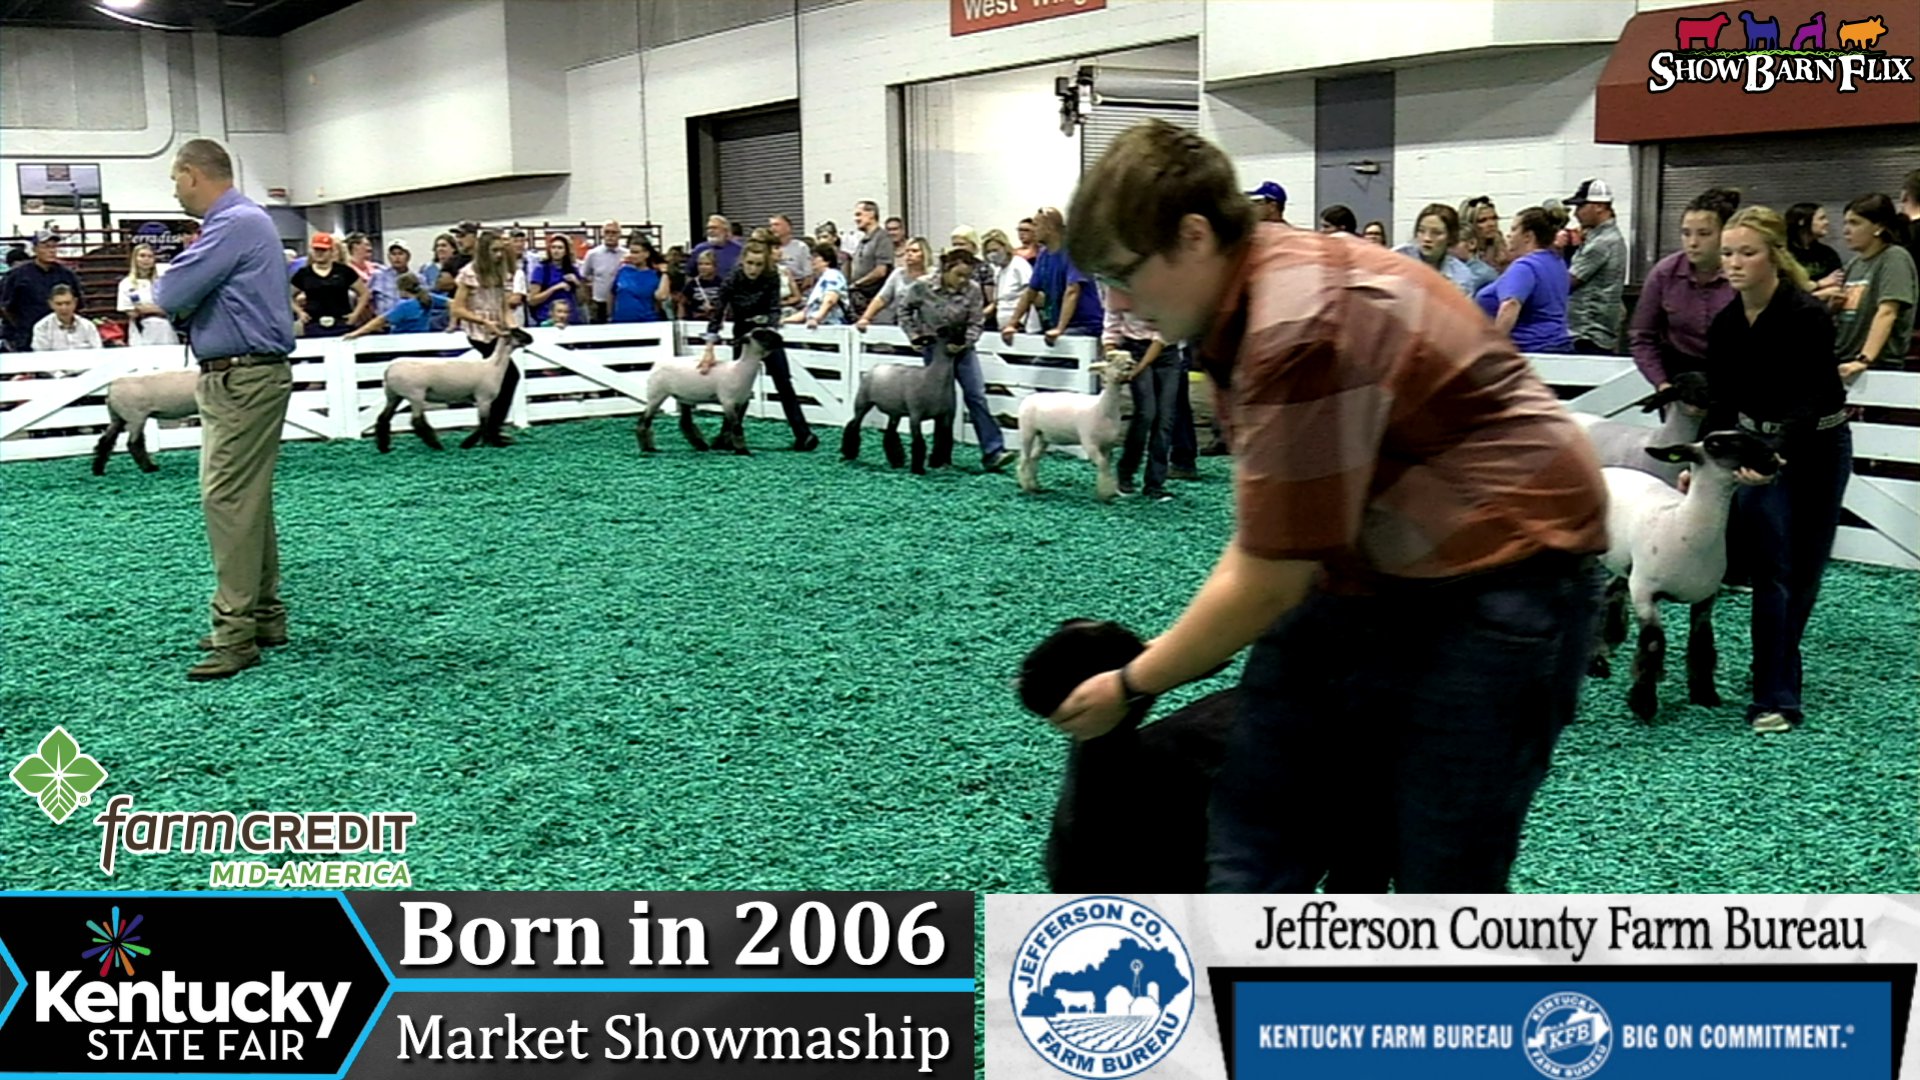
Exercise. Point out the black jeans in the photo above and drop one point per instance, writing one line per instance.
(1155, 392)
(776, 364)
(1402, 735)
(1784, 533)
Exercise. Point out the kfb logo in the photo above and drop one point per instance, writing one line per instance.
(1568, 1036)
(1102, 987)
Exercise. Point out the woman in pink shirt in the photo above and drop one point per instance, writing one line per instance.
(1683, 294)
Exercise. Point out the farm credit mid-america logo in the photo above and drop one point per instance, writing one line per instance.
(1842, 53)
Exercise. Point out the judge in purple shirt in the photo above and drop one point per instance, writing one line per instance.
(1683, 294)
(232, 287)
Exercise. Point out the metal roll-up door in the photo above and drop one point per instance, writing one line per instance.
(1831, 168)
(1124, 97)
(758, 159)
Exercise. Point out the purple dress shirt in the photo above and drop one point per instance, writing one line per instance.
(1669, 332)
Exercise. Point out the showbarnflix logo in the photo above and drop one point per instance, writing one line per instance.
(1847, 58)
(59, 775)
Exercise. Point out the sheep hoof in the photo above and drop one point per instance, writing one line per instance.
(149, 467)
(1599, 668)
(470, 441)
(1643, 700)
(1704, 695)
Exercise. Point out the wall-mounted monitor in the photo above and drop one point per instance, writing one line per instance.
(47, 188)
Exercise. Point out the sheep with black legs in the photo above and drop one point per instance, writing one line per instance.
(134, 399)
(450, 382)
(1624, 445)
(1673, 546)
(728, 384)
(1092, 420)
(910, 392)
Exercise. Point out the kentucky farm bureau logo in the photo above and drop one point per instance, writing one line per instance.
(1568, 1036)
(1812, 52)
(1102, 987)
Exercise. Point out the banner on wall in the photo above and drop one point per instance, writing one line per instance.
(487, 984)
(165, 235)
(1471, 987)
(973, 16)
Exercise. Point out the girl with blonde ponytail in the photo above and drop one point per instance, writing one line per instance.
(1770, 368)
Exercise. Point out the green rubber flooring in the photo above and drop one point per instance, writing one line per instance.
(583, 669)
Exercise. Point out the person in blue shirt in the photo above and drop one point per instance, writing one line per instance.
(413, 313)
(1529, 302)
(231, 285)
(1069, 303)
(640, 288)
(1434, 233)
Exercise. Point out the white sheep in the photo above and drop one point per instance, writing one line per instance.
(1622, 445)
(1092, 420)
(1673, 546)
(728, 384)
(452, 382)
(132, 400)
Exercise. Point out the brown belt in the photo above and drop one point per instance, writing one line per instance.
(226, 363)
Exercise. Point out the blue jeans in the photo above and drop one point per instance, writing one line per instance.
(1402, 735)
(973, 389)
(1784, 532)
(1186, 444)
(1154, 392)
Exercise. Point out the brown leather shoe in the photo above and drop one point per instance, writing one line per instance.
(265, 641)
(224, 662)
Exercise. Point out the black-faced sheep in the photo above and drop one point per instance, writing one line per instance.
(1670, 546)
(134, 399)
(728, 384)
(451, 382)
(910, 392)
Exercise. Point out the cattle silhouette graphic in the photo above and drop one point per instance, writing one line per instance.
(1704, 31)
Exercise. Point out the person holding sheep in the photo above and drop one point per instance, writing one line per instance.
(946, 312)
(1770, 367)
(1418, 525)
(751, 295)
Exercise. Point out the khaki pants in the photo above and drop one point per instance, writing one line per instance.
(241, 412)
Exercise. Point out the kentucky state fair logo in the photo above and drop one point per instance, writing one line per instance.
(115, 943)
(1102, 987)
(1843, 54)
(1567, 1036)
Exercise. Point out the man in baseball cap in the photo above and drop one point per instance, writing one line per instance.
(1269, 202)
(1599, 268)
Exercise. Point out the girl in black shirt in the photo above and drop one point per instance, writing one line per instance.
(327, 295)
(1770, 366)
(1806, 224)
(751, 294)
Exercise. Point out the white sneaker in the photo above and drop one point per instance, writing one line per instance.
(1771, 723)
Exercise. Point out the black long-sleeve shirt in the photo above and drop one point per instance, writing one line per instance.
(1778, 368)
(754, 303)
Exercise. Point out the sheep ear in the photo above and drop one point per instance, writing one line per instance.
(1681, 454)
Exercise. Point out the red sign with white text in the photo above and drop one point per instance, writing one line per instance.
(971, 16)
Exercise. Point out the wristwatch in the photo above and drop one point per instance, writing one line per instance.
(1132, 696)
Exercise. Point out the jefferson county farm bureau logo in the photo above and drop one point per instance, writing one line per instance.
(1568, 1036)
(1102, 987)
(59, 775)
(1846, 57)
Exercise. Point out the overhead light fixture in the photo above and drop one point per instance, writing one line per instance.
(112, 10)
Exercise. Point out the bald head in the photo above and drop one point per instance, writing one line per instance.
(202, 172)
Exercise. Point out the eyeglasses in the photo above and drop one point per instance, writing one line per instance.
(1120, 278)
